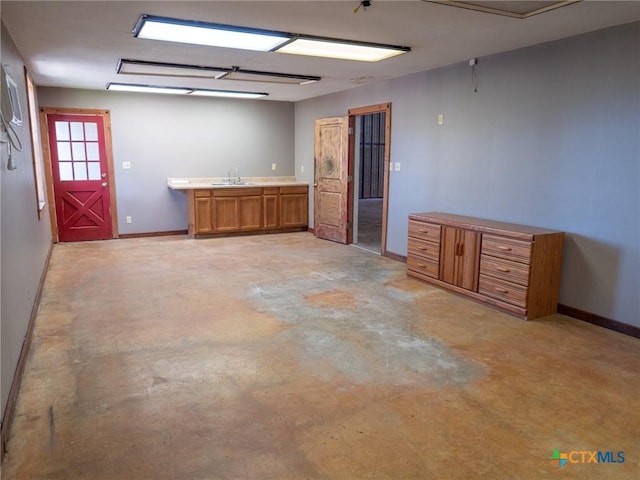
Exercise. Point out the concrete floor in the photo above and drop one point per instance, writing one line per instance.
(288, 357)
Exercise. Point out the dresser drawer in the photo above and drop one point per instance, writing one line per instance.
(517, 250)
(422, 248)
(424, 231)
(423, 266)
(506, 291)
(505, 269)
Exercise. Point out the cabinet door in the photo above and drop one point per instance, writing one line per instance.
(460, 257)
(293, 210)
(225, 211)
(270, 207)
(203, 222)
(250, 209)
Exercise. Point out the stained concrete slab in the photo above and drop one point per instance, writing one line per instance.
(289, 357)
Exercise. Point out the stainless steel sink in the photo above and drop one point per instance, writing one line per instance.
(229, 184)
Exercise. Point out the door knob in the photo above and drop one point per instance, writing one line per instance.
(104, 184)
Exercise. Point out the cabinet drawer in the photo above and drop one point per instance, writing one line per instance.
(500, 247)
(423, 266)
(422, 248)
(504, 269)
(202, 193)
(237, 192)
(501, 290)
(424, 231)
(294, 189)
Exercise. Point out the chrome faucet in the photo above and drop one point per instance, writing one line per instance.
(233, 177)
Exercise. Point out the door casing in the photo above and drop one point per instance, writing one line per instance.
(353, 113)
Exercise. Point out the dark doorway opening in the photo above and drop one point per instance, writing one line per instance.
(370, 173)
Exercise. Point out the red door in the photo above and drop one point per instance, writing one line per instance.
(80, 177)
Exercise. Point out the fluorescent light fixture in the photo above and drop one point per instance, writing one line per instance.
(227, 94)
(341, 49)
(228, 36)
(160, 69)
(210, 34)
(128, 87)
(164, 69)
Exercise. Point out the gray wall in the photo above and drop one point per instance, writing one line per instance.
(25, 240)
(172, 136)
(550, 139)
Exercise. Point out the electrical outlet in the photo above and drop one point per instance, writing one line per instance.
(440, 118)
(273, 166)
(128, 219)
(126, 165)
(397, 166)
(301, 168)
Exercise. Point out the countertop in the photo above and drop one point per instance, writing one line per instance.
(220, 182)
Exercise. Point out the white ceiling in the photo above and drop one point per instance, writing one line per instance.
(78, 44)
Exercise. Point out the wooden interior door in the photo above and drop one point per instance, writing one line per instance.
(80, 171)
(460, 258)
(333, 198)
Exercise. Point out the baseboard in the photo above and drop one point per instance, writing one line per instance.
(395, 256)
(598, 320)
(9, 411)
(153, 234)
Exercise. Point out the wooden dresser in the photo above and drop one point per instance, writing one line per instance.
(513, 267)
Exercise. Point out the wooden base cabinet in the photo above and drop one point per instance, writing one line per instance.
(247, 209)
(294, 206)
(513, 267)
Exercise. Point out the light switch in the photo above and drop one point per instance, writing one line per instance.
(301, 168)
(126, 165)
(440, 118)
(273, 166)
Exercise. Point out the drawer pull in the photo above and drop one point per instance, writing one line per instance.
(422, 265)
(423, 230)
(423, 248)
(503, 269)
(506, 249)
(501, 290)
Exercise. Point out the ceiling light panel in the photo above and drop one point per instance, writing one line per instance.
(228, 36)
(127, 87)
(268, 77)
(210, 34)
(341, 49)
(135, 67)
(227, 94)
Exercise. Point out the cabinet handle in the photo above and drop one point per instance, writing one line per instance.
(501, 290)
(422, 248)
(422, 265)
(422, 230)
(506, 249)
(502, 269)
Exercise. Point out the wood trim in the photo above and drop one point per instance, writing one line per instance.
(380, 107)
(10, 409)
(48, 173)
(395, 256)
(588, 317)
(153, 234)
(386, 108)
(106, 119)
